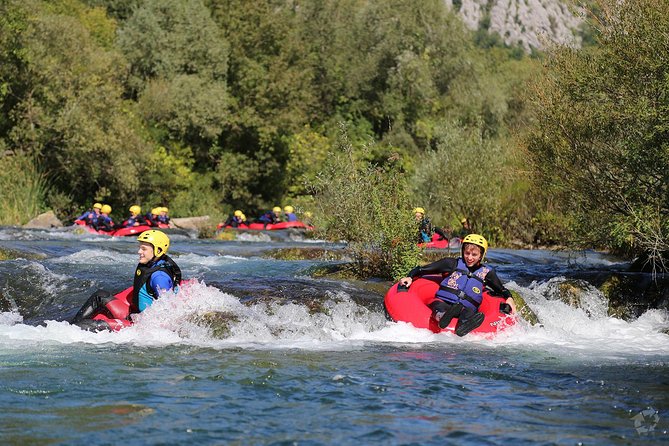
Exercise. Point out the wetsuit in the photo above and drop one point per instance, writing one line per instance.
(159, 274)
(268, 218)
(104, 223)
(233, 221)
(151, 219)
(130, 222)
(90, 217)
(150, 279)
(424, 230)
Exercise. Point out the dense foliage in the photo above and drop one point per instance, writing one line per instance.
(600, 143)
(208, 106)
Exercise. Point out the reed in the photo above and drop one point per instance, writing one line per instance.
(23, 189)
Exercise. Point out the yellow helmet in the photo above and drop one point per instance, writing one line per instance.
(135, 209)
(276, 209)
(238, 213)
(289, 209)
(106, 209)
(308, 214)
(163, 209)
(97, 206)
(155, 211)
(477, 240)
(419, 211)
(243, 217)
(158, 239)
(463, 220)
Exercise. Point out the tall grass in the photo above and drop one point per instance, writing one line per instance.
(367, 205)
(22, 188)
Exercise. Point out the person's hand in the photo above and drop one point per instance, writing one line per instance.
(406, 281)
(511, 304)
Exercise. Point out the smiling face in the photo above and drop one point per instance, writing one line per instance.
(145, 252)
(471, 254)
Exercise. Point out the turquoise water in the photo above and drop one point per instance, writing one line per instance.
(307, 361)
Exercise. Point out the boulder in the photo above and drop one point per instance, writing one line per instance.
(45, 221)
(195, 223)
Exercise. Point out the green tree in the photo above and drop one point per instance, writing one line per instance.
(64, 106)
(601, 141)
(178, 66)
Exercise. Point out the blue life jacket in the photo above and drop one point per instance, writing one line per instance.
(90, 217)
(267, 218)
(291, 216)
(463, 286)
(130, 222)
(143, 293)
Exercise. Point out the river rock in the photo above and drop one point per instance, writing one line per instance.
(632, 294)
(199, 224)
(45, 221)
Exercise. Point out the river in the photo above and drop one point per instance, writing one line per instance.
(258, 351)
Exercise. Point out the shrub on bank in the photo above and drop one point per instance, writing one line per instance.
(367, 205)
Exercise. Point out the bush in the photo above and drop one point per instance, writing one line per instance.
(367, 205)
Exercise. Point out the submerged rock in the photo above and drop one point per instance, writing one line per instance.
(11, 254)
(306, 254)
(632, 294)
(524, 310)
(219, 322)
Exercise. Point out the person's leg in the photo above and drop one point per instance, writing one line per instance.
(444, 312)
(468, 321)
(94, 305)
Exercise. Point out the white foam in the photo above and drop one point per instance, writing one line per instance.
(97, 257)
(339, 324)
(210, 261)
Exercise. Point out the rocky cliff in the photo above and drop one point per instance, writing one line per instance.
(527, 23)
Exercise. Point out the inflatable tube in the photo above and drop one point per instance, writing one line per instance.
(91, 229)
(132, 230)
(441, 243)
(116, 313)
(269, 226)
(411, 305)
(123, 232)
(119, 309)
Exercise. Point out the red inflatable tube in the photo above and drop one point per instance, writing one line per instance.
(120, 309)
(123, 232)
(411, 305)
(439, 243)
(269, 226)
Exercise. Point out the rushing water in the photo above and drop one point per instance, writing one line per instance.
(310, 361)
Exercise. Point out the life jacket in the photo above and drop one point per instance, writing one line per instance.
(151, 219)
(91, 218)
(268, 217)
(141, 289)
(463, 286)
(130, 222)
(425, 230)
